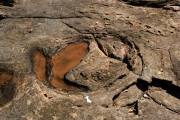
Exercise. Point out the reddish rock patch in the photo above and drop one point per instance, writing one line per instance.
(61, 63)
(39, 65)
(5, 77)
(66, 59)
(7, 87)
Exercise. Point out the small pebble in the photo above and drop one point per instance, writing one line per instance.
(88, 100)
(145, 96)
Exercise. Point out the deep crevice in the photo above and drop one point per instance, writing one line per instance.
(146, 3)
(44, 17)
(168, 86)
(142, 85)
(7, 2)
(164, 84)
(2, 17)
(126, 60)
(136, 108)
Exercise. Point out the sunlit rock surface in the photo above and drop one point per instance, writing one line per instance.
(89, 60)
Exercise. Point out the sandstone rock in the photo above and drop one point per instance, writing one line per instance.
(131, 49)
(174, 52)
(128, 97)
(100, 70)
(157, 111)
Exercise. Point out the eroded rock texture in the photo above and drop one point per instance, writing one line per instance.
(89, 59)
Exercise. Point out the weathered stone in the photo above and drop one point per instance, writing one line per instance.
(113, 47)
(150, 110)
(165, 99)
(128, 96)
(96, 70)
(131, 48)
(175, 59)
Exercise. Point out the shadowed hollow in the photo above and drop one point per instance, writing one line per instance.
(7, 88)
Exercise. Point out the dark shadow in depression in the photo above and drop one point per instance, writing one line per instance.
(7, 87)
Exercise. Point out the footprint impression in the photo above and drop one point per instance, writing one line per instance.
(61, 63)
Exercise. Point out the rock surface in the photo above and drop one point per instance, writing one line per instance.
(131, 69)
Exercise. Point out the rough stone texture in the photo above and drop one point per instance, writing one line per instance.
(175, 59)
(100, 70)
(131, 70)
(165, 99)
